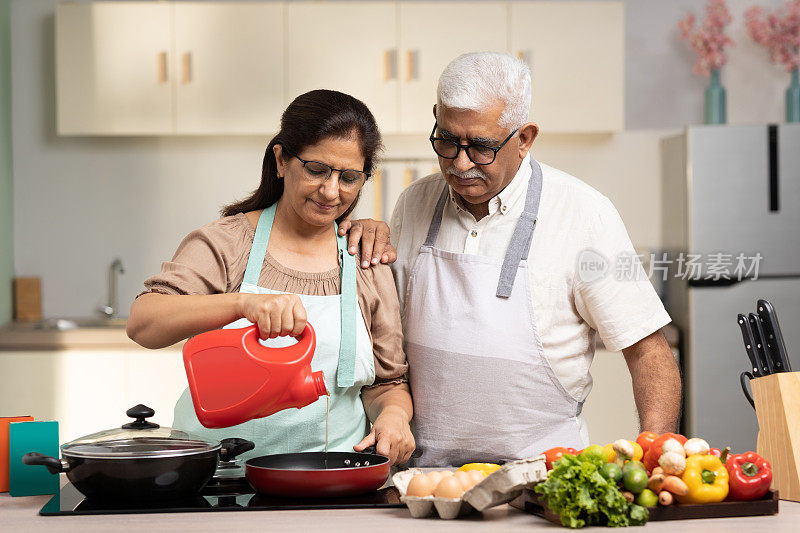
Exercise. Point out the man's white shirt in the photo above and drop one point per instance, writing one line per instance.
(581, 261)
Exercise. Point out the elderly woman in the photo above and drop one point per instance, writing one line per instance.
(275, 259)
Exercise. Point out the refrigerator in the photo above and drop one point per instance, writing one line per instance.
(730, 197)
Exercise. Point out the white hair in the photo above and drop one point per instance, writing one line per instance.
(478, 80)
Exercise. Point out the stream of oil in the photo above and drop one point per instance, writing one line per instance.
(327, 414)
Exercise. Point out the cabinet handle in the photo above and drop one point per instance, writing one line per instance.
(162, 67)
(412, 58)
(186, 64)
(389, 65)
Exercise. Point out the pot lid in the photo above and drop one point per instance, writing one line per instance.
(139, 439)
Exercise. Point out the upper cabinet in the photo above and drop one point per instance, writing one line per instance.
(431, 35)
(229, 67)
(158, 68)
(346, 46)
(145, 68)
(576, 51)
(112, 68)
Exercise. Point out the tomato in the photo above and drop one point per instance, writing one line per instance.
(653, 454)
(554, 454)
(645, 439)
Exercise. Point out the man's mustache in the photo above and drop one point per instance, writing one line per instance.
(467, 174)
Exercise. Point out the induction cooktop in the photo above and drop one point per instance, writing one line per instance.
(229, 495)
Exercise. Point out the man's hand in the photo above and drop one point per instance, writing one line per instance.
(391, 436)
(374, 239)
(656, 383)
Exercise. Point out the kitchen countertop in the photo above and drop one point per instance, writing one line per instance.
(24, 336)
(21, 514)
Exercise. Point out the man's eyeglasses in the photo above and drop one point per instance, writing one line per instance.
(317, 173)
(480, 154)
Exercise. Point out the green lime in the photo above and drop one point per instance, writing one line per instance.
(594, 450)
(635, 480)
(612, 472)
(633, 465)
(647, 498)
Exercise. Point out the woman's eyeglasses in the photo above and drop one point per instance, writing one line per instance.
(317, 172)
(480, 154)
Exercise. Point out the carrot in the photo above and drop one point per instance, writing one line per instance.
(675, 485)
(628, 496)
(655, 482)
(665, 498)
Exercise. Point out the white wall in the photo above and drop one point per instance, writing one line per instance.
(80, 202)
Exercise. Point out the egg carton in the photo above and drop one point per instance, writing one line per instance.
(498, 488)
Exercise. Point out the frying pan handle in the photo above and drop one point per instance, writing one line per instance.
(52, 464)
(306, 342)
(233, 447)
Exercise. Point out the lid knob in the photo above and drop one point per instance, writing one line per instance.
(140, 412)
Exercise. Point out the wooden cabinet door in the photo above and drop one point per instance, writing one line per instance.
(346, 46)
(431, 35)
(576, 51)
(228, 66)
(112, 71)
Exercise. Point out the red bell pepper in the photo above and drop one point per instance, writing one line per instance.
(653, 454)
(554, 454)
(750, 476)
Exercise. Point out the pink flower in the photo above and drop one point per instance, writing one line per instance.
(709, 40)
(778, 32)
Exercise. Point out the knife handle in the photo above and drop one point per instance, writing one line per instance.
(749, 344)
(774, 338)
(761, 348)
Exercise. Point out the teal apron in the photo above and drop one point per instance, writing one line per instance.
(343, 354)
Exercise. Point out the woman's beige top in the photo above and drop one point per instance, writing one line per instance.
(212, 260)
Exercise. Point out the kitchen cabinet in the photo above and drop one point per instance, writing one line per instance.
(144, 68)
(431, 35)
(346, 46)
(576, 51)
(214, 68)
(89, 390)
(112, 68)
(229, 75)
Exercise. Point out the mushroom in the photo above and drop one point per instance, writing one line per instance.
(624, 450)
(672, 463)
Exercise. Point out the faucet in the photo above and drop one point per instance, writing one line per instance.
(110, 310)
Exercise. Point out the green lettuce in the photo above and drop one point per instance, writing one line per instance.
(581, 496)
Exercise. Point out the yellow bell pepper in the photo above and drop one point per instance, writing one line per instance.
(486, 468)
(707, 479)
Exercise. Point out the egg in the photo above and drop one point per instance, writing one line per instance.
(435, 477)
(465, 479)
(449, 487)
(420, 485)
(477, 476)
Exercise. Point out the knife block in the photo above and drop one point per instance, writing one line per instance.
(777, 399)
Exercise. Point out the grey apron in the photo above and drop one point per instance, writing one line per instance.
(483, 388)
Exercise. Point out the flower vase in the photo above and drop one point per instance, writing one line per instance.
(793, 98)
(715, 100)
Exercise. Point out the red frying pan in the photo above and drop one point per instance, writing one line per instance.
(317, 474)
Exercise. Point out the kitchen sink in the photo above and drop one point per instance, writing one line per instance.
(64, 324)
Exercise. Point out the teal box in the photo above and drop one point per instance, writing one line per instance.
(24, 437)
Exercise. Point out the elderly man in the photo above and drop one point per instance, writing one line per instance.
(499, 319)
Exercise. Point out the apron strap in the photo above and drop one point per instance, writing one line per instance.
(258, 250)
(520, 244)
(436, 221)
(345, 373)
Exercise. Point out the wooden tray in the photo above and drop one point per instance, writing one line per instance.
(768, 505)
